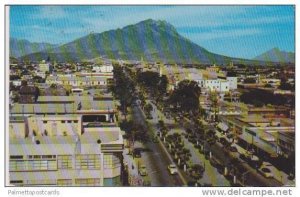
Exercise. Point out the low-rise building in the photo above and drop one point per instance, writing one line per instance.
(78, 81)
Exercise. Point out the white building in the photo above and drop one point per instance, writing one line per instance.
(77, 81)
(103, 69)
(218, 85)
(232, 83)
(44, 67)
(65, 141)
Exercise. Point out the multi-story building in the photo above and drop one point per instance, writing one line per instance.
(66, 141)
(218, 85)
(232, 83)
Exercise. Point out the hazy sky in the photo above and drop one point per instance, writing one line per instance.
(237, 31)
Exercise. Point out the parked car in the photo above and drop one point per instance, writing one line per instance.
(223, 141)
(143, 170)
(266, 172)
(172, 169)
(137, 153)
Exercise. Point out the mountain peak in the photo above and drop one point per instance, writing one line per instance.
(152, 21)
(158, 23)
(276, 55)
(152, 40)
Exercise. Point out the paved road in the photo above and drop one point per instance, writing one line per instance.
(154, 156)
(253, 178)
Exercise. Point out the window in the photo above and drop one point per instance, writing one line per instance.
(69, 121)
(16, 165)
(35, 164)
(16, 157)
(64, 162)
(62, 182)
(41, 182)
(63, 121)
(111, 161)
(45, 122)
(75, 121)
(87, 182)
(16, 182)
(48, 156)
(87, 162)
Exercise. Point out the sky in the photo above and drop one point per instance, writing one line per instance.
(236, 31)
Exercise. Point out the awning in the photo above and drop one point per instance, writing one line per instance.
(222, 126)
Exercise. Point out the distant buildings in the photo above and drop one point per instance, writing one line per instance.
(45, 67)
(77, 81)
(65, 140)
(211, 79)
(271, 137)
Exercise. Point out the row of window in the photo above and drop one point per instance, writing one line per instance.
(63, 121)
(81, 83)
(49, 162)
(87, 182)
(111, 161)
(32, 165)
(87, 162)
(59, 182)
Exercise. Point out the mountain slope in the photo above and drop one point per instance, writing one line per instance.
(151, 40)
(276, 55)
(20, 48)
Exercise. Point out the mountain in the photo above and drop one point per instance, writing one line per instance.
(23, 47)
(276, 55)
(150, 39)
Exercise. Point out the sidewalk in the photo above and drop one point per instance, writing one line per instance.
(278, 175)
(211, 174)
(134, 178)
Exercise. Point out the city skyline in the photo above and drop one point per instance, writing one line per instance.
(247, 31)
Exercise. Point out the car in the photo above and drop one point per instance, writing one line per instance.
(172, 169)
(223, 141)
(193, 184)
(266, 172)
(233, 149)
(137, 153)
(143, 170)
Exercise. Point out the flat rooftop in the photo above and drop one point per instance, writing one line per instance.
(66, 145)
(63, 105)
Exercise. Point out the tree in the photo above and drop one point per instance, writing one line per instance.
(249, 80)
(153, 82)
(268, 85)
(286, 86)
(185, 97)
(214, 103)
(123, 88)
